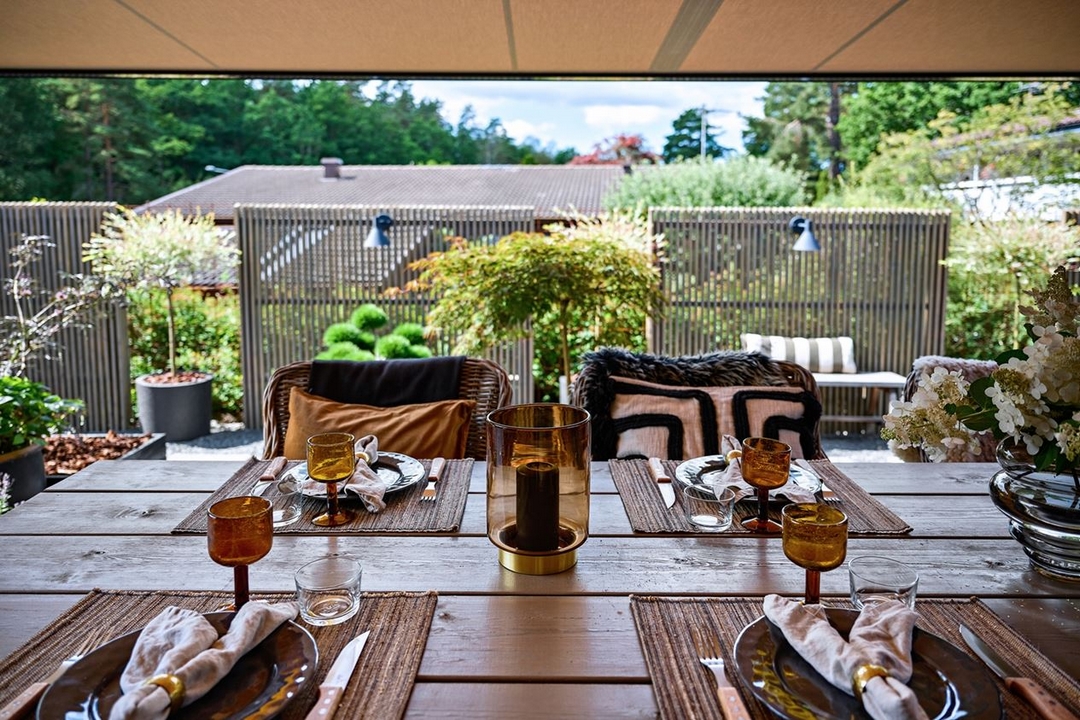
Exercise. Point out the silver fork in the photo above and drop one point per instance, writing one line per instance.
(711, 655)
(28, 698)
(431, 491)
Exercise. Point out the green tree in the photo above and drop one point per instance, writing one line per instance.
(684, 142)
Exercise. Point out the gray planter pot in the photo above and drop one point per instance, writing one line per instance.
(26, 467)
(153, 449)
(181, 411)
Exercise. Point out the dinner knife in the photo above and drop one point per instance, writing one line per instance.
(269, 475)
(333, 687)
(1030, 690)
(663, 481)
(434, 473)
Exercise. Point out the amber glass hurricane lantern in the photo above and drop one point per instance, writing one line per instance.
(538, 486)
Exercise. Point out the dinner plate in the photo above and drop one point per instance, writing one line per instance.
(396, 470)
(948, 682)
(259, 686)
(706, 470)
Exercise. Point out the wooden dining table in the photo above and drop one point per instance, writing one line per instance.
(561, 645)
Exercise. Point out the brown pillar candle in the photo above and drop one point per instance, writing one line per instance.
(537, 506)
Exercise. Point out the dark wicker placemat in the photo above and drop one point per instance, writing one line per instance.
(645, 507)
(404, 512)
(379, 688)
(663, 628)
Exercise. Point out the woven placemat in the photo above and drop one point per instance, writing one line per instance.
(645, 507)
(380, 687)
(663, 628)
(404, 512)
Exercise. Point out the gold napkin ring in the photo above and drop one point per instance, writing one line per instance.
(862, 675)
(172, 685)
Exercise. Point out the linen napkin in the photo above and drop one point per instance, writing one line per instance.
(880, 636)
(731, 477)
(365, 483)
(183, 643)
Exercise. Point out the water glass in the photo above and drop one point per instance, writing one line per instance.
(287, 501)
(707, 510)
(876, 579)
(328, 590)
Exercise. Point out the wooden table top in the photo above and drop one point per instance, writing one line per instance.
(108, 527)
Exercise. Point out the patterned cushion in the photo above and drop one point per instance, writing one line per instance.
(822, 355)
(684, 422)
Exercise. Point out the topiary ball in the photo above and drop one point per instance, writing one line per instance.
(413, 332)
(366, 341)
(420, 351)
(343, 333)
(368, 317)
(344, 351)
(392, 346)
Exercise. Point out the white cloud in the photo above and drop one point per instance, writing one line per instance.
(522, 129)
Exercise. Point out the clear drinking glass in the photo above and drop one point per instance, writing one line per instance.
(815, 538)
(765, 465)
(239, 531)
(707, 510)
(331, 459)
(874, 579)
(328, 590)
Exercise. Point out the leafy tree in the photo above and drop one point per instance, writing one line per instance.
(618, 150)
(741, 181)
(31, 138)
(685, 140)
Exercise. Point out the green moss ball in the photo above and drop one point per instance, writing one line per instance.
(368, 317)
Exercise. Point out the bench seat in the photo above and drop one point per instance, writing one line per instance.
(872, 382)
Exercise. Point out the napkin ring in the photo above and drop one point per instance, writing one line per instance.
(172, 685)
(863, 674)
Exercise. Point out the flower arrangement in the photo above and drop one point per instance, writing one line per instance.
(1033, 397)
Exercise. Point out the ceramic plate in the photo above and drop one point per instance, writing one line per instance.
(948, 682)
(396, 470)
(259, 686)
(704, 471)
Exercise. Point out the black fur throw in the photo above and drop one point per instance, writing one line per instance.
(594, 390)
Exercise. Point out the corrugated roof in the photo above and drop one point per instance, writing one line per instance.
(549, 188)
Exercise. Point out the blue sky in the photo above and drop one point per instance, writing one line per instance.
(582, 113)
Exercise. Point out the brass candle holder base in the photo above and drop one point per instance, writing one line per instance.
(537, 564)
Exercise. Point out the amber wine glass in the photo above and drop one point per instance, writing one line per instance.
(331, 459)
(765, 465)
(815, 538)
(239, 531)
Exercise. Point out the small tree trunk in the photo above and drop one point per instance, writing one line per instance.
(172, 331)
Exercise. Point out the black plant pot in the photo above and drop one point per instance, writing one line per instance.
(180, 410)
(26, 467)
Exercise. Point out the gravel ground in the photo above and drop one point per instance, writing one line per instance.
(236, 443)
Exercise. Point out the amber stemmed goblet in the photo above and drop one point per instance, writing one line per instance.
(331, 459)
(815, 538)
(765, 465)
(239, 531)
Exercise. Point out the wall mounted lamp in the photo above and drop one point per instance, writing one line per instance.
(378, 237)
(806, 242)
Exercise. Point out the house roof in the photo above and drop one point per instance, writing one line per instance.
(547, 188)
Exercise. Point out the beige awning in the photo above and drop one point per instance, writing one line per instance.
(529, 38)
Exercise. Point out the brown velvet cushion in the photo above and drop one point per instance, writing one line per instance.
(427, 430)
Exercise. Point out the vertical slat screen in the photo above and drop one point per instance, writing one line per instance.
(95, 364)
(304, 267)
(878, 278)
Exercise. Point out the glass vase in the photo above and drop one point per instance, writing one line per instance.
(1043, 508)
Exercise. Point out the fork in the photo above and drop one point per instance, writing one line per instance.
(430, 491)
(28, 698)
(710, 654)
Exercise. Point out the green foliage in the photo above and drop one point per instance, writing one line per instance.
(345, 351)
(208, 331)
(991, 268)
(393, 346)
(368, 317)
(344, 332)
(419, 351)
(684, 142)
(583, 285)
(413, 332)
(30, 412)
(741, 181)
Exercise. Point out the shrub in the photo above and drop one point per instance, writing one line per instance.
(419, 351)
(344, 332)
(30, 412)
(344, 351)
(356, 340)
(413, 332)
(369, 317)
(393, 346)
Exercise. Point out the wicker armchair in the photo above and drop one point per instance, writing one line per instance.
(481, 380)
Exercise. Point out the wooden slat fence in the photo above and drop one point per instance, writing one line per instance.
(95, 363)
(878, 278)
(304, 267)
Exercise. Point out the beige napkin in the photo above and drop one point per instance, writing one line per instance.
(731, 477)
(880, 636)
(365, 483)
(183, 643)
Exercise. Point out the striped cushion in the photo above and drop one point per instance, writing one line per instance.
(677, 423)
(823, 355)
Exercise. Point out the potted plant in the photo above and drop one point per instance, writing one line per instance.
(164, 252)
(29, 413)
(356, 340)
(580, 285)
